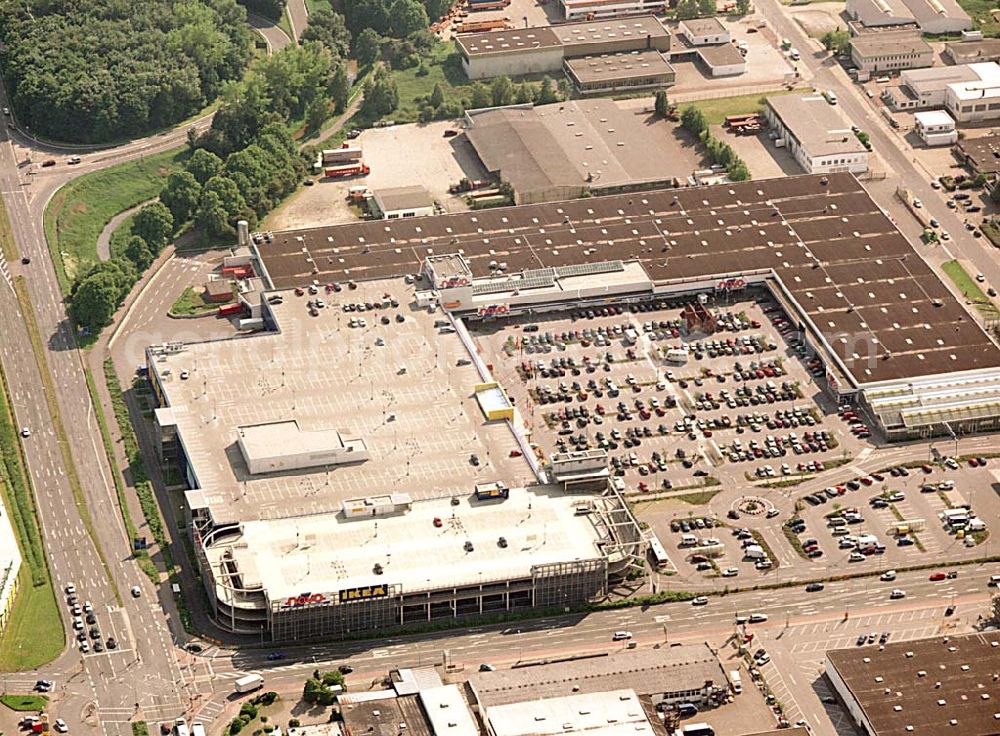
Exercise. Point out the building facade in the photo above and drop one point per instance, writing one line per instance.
(875, 53)
(816, 134)
(935, 128)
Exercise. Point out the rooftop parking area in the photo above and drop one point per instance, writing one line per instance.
(386, 375)
(883, 310)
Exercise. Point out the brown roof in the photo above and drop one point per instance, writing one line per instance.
(507, 41)
(616, 67)
(983, 153)
(880, 45)
(723, 54)
(857, 278)
(917, 688)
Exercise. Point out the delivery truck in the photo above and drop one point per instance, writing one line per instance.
(249, 683)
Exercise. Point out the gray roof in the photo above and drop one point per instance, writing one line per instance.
(873, 12)
(967, 52)
(819, 126)
(646, 671)
(610, 31)
(403, 198)
(925, 684)
(507, 41)
(704, 26)
(613, 67)
(875, 44)
(724, 54)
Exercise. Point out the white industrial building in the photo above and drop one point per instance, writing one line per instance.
(935, 128)
(395, 202)
(704, 31)
(927, 88)
(613, 713)
(974, 102)
(890, 51)
(816, 134)
(283, 446)
(600, 9)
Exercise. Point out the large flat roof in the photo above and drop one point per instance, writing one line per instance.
(820, 127)
(616, 67)
(408, 400)
(610, 31)
(645, 671)
(508, 41)
(327, 553)
(986, 49)
(875, 44)
(890, 12)
(572, 144)
(612, 713)
(983, 152)
(919, 687)
(884, 312)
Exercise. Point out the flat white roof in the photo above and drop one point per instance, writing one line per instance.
(326, 554)
(613, 713)
(10, 558)
(933, 117)
(447, 711)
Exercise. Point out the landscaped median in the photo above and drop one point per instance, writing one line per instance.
(970, 289)
(25, 703)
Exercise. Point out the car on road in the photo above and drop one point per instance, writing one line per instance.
(194, 647)
(936, 577)
(25, 432)
(896, 594)
(136, 591)
(6, 111)
(43, 686)
(828, 700)
(814, 587)
(484, 667)
(758, 618)
(275, 656)
(49, 162)
(621, 635)
(61, 726)
(112, 643)
(699, 601)
(345, 669)
(25, 260)
(888, 576)
(73, 160)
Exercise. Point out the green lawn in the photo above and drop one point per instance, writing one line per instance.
(79, 211)
(190, 302)
(970, 289)
(140, 728)
(34, 634)
(444, 67)
(979, 11)
(716, 110)
(24, 702)
(314, 5)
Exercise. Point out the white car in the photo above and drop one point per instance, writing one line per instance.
(730, 572)
(758, 618)
(856, 557)
(897, 594)
(951, 463)
(25, 432)
(888, 575)
(980, 278)
(917, 203)
(136, 591)
(61, 726)
(621, 635)
(699, 601)
(763, 659)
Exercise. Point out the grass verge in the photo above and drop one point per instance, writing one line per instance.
(191, 302)
(78, 212)
(970, 289)
(137, 467)
(25, 702)
(140, 728)
(716, 110)
(696, 499)
(38, 348)
(982, 17)
(991, 231)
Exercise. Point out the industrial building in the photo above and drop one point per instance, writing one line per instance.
(927, 687)
(10, 566)
(932, 16)
(816, 133)
(708, 41)
(704, 31)
(395, 202)
(890, 335)
(690, 673)
(927, 88)
(981, 155)
(972, 52)
(935, 128)
(542, 50)
(612, 713)
(603, 9)
(629, 70)
(874, 53)
(974, 101)
(561, 151)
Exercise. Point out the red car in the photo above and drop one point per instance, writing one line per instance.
(937, 576)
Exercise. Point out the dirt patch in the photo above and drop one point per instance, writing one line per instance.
(817, 21)
(79, 207)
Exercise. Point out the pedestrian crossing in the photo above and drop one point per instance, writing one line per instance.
(5, 271)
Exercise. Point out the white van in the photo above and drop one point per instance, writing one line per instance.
(688, 540)
(994, 581)
(734, 677)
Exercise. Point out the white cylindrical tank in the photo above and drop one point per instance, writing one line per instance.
(243, 233)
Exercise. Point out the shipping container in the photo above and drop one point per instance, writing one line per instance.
(228, 310)
(355, 169)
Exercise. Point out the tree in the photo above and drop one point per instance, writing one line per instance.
(694, 120)
(739, 172)
(707, 8)
(686, 9)
(316, 114)
(340, 88)
(95, 300)
(837, 41)
(181, 195)
(406, 17)
(546, 93)
(502, 91)
(328, 28)
(154, 224)
(437, 96)
(203, 165)
(662, 103)
(381, 95)
(743, 7)
(138, 252)
(480, 96)
(212, 216)
(367, 48)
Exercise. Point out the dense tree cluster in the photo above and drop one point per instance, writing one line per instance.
(694, 121)
(97, 70)
(271, 9)
(688, 9)
(318, 689)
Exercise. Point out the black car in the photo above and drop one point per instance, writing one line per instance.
(814, 587)
(345, 669)
(25, 260)
(113, 643)
(192, 646)
(43, 685)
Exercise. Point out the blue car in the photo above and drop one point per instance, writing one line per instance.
(275, 656)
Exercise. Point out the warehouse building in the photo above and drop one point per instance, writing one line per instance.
(542, 50)
(816, 134)
(626, 71)
(889, 334)
(927, 687)
(724, 60)
(690, 673)
(981, 155)
(562, 151)
(976, 101)
(932, 16)
(927, 88)
(973, 52)
(612, 713)
(604, 9)
(704, 31)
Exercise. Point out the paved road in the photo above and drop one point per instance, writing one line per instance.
(276, 38)
(298, 17)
